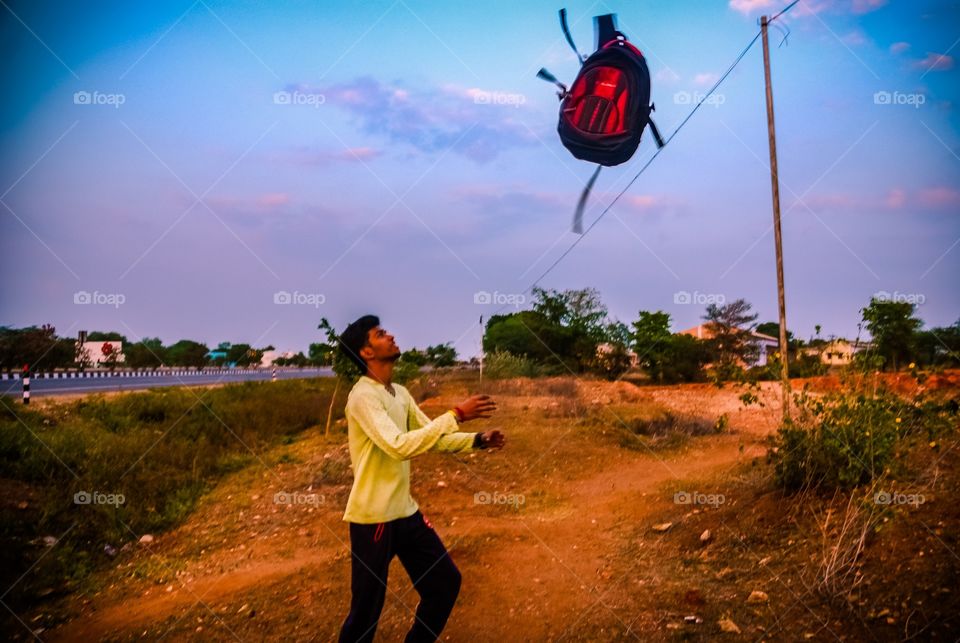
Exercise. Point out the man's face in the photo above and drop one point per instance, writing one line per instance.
(380, 346)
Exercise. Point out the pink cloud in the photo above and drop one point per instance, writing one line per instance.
(806, 8)
(935, 62)
(828, 201)
(307, 156)
(899, 47)
(359, 153)
(643, 201)
(939, 197)
(653, 203)
(855, 38)
(706, 78)
(866, 6)
(220, 202)
(749, 6)
(273, 200)
(896, 199)
(513, 198)
(666, 75)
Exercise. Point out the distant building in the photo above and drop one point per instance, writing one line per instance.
(100, 353)
(220, 354)
(837, 352)
(766, 345)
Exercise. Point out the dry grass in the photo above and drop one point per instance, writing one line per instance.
(843, 537)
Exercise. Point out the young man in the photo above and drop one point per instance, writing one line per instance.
(386, 429)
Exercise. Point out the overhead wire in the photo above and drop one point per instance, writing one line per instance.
(649, 161)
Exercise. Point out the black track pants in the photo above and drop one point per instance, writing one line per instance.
(426, 560)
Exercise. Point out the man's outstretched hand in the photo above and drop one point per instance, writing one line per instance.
(477, 406)
(493, 439)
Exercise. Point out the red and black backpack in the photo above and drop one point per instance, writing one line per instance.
(604, 113)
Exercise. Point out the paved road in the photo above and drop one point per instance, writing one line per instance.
(41, 386)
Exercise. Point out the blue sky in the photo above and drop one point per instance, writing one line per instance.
(198, 158)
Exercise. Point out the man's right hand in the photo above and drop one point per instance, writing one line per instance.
(477, 406)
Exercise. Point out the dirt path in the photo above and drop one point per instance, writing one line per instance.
(542, 568)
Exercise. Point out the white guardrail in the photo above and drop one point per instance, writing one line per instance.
(173, 372)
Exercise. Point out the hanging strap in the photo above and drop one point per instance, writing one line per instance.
(543, 74)
(566, 34)
(582, 203)
(656, 133)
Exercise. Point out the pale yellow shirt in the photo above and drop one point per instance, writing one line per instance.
(384, 432)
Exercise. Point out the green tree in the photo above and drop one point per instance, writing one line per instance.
(147, 353)
(893, 329)
(772, 329)
(187, 352)
(441, 355)
(732, 344)
(664, 356)
(321, 354)
(40, 348)
(939, 346)
(108, 336)
(651, 342)
(581, 310)
(239, 354)
(244, 355)
(299, 360)
(414, 356)
(531, 334)
(564, 332)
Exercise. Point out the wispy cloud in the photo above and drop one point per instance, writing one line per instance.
(312, 156)
(749, 6)
(513, 200)
(808, 7)
(896, 199)
(273, 200)
(855, 38)
(479, 124)
(666, 75)
(705, 79)
(898, 48)
(939, 197)
(866, 6)
(935, 62)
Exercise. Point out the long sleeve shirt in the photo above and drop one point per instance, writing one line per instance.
(385, 431)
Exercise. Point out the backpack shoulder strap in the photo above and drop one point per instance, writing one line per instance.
(656, 133)
(582, 203)
(605, 27)
(566, 34)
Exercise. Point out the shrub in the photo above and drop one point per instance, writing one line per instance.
(846, 439)
(503, 365)
(666, 430)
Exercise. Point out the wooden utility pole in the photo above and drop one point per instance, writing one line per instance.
(778, 239)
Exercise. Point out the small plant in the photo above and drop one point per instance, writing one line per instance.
(503, 365)
(722, 423)
(666, 430)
